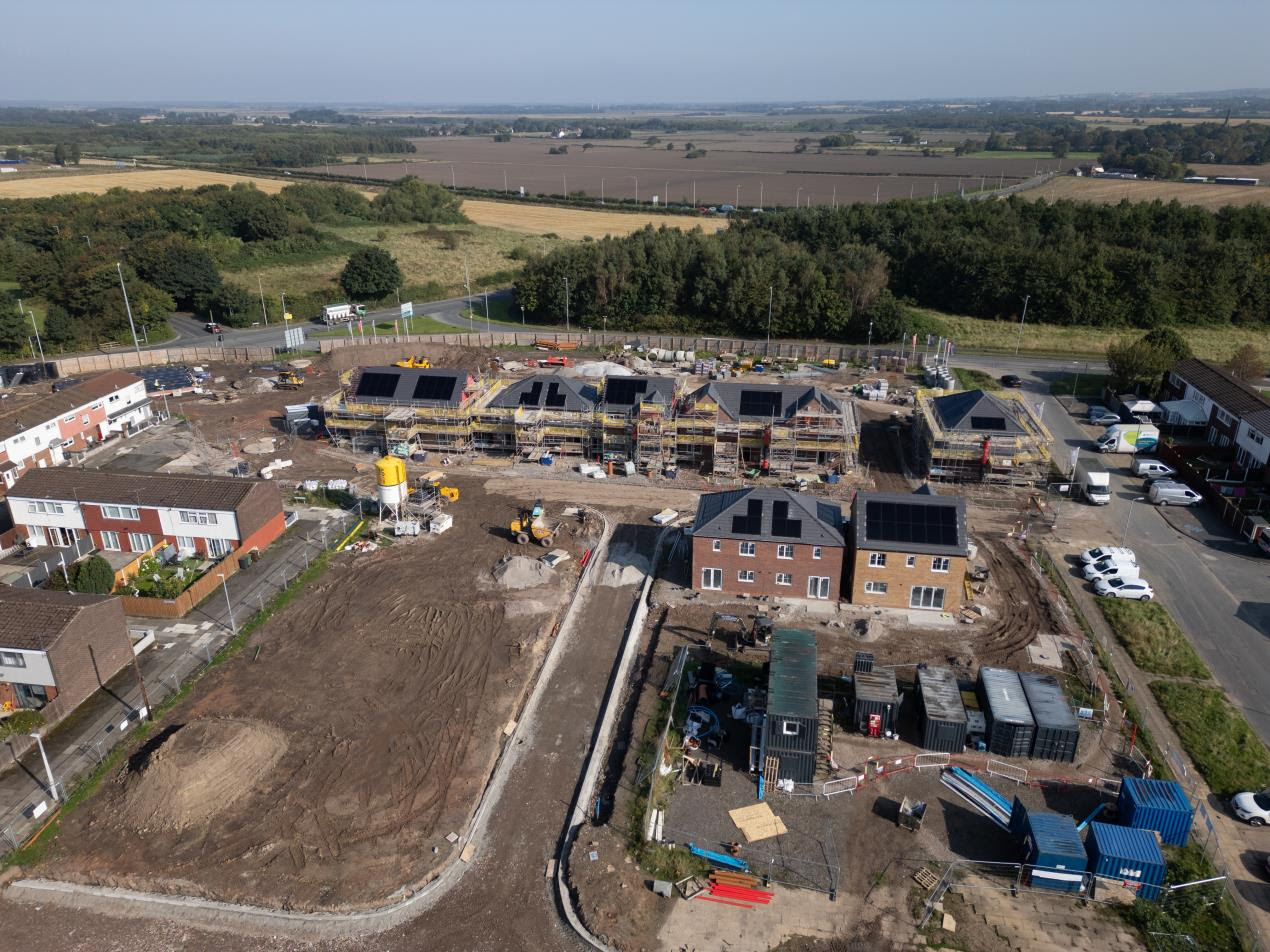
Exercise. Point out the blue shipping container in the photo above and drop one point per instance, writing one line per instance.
(1159, 805)
(1128, 855)
(1051, 846)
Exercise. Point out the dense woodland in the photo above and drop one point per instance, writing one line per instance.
(174, 246)
(832, 272)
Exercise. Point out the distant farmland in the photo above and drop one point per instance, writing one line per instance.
(764, 167)
(136, 180)
(1111, 191)
(576, 223)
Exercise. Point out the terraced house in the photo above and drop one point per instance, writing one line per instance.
(1235, 416)
(208, 516)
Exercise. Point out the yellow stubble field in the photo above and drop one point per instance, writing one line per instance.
(576, 223)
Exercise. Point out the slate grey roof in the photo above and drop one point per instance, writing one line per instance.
(121, 487)
(1222, 388)
(26, 413)
(904, 522)
(433, 387)
(819, 523)
(750, 401)
(32, 619)
(975, 411)
(624, 393)
(547, 392)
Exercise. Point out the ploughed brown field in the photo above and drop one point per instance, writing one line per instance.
(737, 169)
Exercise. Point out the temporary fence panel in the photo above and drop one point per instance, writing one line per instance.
(841, 785)
(931, 760)
(999, 768)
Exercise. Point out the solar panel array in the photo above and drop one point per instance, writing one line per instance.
(433, 388)
(987, 423)
(760, 403)
(555, 395)
(624, 391)
(906, 522)
(377, 385)
(782, 525)
(752, 522)
(530, 396)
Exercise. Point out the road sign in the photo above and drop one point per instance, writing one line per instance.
(293, 338)
(288, 316)
(408, 309)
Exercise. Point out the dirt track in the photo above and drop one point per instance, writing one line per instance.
(392, 680)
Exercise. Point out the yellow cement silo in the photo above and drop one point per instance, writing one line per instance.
(391, 473)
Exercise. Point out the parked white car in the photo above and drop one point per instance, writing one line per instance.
(1152, 468)
(1133, 588)
(1109, 568)
(1168, 493)
(1120, 553)
(1252, 808)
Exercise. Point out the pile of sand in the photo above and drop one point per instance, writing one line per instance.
(625, 566)
(521, 572)
(199, 770)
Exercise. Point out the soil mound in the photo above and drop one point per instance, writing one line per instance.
(625, 566)
(199, 770)
(521, 572)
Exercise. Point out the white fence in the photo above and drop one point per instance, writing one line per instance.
(922, 761)
(1009, 771)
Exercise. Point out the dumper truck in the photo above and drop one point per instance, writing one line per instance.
(1093, 480)
(1129, 438)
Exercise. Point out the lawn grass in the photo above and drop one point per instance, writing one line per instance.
(975, 379)
(1065, 386)
(1218, 739)
(1152, 638)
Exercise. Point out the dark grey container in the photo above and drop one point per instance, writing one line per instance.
(941, 715)
(1011, 727)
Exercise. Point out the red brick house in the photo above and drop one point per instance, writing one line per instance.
(57, 648)
(121, 511)
(764, 541)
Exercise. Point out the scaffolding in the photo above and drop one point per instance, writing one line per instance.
(651, 424)
(726, 453)
(979, 455)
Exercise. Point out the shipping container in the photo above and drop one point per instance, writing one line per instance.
(863, 661)
(1057, 730)
(942, 716)
(1009, 719)
(1051, 846)
(789, 729)
(877, 702)
(1159, 805)
(1126, 855)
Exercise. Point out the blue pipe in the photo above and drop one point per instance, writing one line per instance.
(987, 791)
(1089, 819)
(719, 859)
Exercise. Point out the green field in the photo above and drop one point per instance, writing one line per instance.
(1070, 156)
(975, 379)
(1218, 739)
(1152, 638)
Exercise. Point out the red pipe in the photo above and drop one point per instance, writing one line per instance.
(725, 902)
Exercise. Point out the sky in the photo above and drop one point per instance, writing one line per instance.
(607, 52)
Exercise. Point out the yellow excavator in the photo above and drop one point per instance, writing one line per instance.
(532, 523)
(289, 380)
(416, 363)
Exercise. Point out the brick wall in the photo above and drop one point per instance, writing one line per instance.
(261, 506)
(900, 579)
(92, 650)
(766, 565)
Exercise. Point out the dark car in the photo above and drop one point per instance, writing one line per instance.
(1012, 380)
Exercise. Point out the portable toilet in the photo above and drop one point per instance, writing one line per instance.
(1051, 847)
(1159, 805)
(1128, 855)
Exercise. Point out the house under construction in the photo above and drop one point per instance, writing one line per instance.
(636, 420)
(537, 415)
(404, 410)
(734, 427)
(974, 436)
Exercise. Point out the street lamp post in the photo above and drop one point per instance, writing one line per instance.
(798, 194)
(770, 291)
(48, 770)
(1124, 536)
(233, 627)
(870, 344)
(128, 307)
(522, 315)
(88, 239)
(486, 293)
(31, 314)
(1026, 298)
(566, 304)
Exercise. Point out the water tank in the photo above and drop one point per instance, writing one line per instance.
(391, 473)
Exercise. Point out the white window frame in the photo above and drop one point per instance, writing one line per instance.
(941, 563)
(140, 541)
(124, 513)
(784, 551)
(12, 659)
(877, 560)
(198, 517)
(48, 508)
(875, 588)
(784, 578)
(110, 541)
(709, 575)
(815, 552)
(920, 595)
(745, 576)
(791, 728)
(716, 545)
(818, 586)
(218, 548)
(910, 562)
(748, 549)
(1224, 418)
(85, 420)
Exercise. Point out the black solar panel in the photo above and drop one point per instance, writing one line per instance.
(760, 403)
(624, 391)
(530, 396)
(752, 522)
(987, 423)
(904, 522)
(784, 526)
(555, 395)
(377, 385)
(429, 387)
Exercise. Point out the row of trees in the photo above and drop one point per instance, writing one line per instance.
(174, 247)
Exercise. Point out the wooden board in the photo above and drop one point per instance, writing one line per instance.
(757, 822)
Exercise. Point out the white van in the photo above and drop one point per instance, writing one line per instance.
(1166, 493)
(1151, 468)
(1116, 552)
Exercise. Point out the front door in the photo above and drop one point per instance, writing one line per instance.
(818, 586)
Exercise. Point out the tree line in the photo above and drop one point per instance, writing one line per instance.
(833, 271)
(174, 246)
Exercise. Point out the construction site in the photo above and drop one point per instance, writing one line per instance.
(656, 424)
(974, 436)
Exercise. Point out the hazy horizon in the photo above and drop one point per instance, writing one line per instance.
(561, 52)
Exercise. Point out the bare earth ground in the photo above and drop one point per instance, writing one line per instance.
(390, 682)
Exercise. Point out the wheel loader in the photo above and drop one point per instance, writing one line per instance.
(417, 363)
(289, 380)
(532, 523)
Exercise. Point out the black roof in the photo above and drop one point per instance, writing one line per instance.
(1226, 390)
(547, 392)
(435, 387)
(877, 685)
(769, 515)
(622, 393)
(976, 411)
(750, 401)
(900, 522)
(1048, 703)
(791, 680)
(941, 697)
